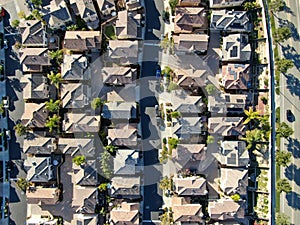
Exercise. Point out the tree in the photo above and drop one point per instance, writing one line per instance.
(282, 33)
(103, 187)
(72, 27)
(172, 86)
(211, 89)
(284, 130)
(173, 4)
(282, 65)
(105, 164)
(251, 5)
(277, 5)
(176, 114)
(283, 185)
(251, 115)
(252, 137)
(282, 219)
(52, 122)
(57, 55)
(283, 158)
(111, 149)
(23, 184)
(20, 129)
(36, 14)
(15, 23)
(37, 3)
(210, 139)
(79, 160)
(53, 106)
(55, 78)
(96, 103)
(21, 15)
(173, 142)
(166, 183)
(235, 197)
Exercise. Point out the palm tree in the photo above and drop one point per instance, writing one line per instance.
(111, 149)
(20, 129)
(55, 79)
(53, 106)
(251, 115)
(252, 137)
(52, 122)
(57, 55)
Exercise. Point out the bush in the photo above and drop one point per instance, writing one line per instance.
(173, 142)
(15, 23)
(235, 197)
(79, 160)
(210, 139)
(96, 103)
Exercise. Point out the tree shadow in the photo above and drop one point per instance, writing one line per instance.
(293, 146)
(293, 199)
(13, 195)
(291, 173)
(288, 10)
(293, 84)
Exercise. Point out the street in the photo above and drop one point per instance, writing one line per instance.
(290, 99)
(150, 131)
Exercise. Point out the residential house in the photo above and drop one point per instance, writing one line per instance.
(57, 15)
(86, 219)
(190, 20)
(39, 145)
(226, 126)
(126, 162)
(125, 187)
(75, 67)
(86, 10)
(40, 169)
(189, 3)
(34, 59)
(35, 87)
(189, 129)
(189, 157)
(106, 7)
(227, 104)
(42, 196)
(190, 79)
(126, 213)
(123, 52)
(225, 210)
(75, 95)
(77, 146)
(118, 76)
(86, 174)
(234, 180)
(187, 105)
(82, 41)
(191, 43)
(220, 4)
(233, 154)
(33, 33)
(34, 217)
(190, 186)
(119, 111)
(236, 77)
(84, 199)
(128, 25)
(123, 134)
(236, 48)
(80, 123)
(231, 21)
(35, 115)
(185, 212)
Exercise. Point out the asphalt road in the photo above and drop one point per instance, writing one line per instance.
(150, 132)
(290, 99)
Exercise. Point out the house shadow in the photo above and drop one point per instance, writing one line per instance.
(293, 200)
(293, 146)
(291, 172)
(14, 146)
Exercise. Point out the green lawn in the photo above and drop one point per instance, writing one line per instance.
(110, 32)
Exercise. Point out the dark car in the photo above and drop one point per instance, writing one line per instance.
(290, 116)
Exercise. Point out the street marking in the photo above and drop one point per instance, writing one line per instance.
(151, 44)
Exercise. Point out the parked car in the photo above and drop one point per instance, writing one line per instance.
(8, 136)
(158, 73)
(5, 101)
(2, 11)
(290, 116)
(5, 44)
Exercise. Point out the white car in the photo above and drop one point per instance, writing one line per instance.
(5, 101)
(5, 43)
(8, 136)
